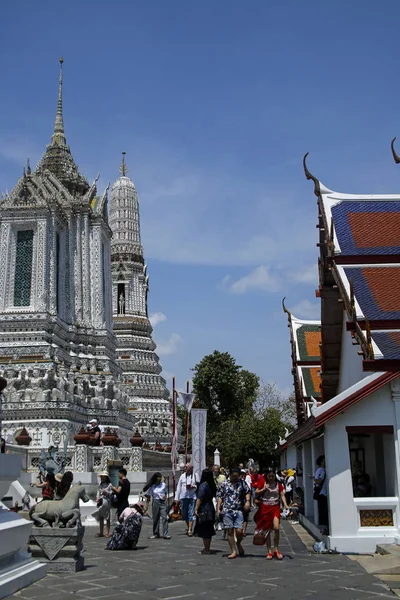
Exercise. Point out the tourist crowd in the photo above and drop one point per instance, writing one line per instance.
(218, 500)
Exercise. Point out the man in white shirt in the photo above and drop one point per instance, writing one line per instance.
(157, 489)
(186, 494)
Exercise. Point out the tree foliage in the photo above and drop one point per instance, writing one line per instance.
(223, 388)
(246, 417)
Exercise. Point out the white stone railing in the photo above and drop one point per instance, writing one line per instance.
(85, 459)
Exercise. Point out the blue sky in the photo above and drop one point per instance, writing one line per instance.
(215, 103)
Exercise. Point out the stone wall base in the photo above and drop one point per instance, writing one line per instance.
(60, 549)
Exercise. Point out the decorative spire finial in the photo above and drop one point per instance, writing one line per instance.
(310, 176)
(59, 123)
(28, 167)
(123, 168)
(395, 156)
(285, 310)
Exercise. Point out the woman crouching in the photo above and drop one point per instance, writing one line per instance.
(126, 534)
(271, 494)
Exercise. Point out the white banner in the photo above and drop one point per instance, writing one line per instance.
(199, 427)
(187, 400)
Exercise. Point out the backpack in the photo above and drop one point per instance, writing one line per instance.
(318, 488)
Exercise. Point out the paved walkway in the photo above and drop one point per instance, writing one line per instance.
(173, 570)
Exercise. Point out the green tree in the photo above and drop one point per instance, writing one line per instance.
(252, 436)
(224, 389)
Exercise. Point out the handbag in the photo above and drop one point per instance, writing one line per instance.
(205, 513)
(259, 537)
(114, 501)
(99, 502)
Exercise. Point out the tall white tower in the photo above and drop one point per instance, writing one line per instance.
(136, 354)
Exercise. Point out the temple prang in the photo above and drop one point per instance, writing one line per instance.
(63, 324)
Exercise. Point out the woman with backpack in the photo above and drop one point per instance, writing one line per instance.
(47, 486)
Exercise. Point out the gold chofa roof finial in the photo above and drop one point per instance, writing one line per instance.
(123, 168)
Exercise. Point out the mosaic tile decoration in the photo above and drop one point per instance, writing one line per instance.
(377, 290)
(376, 518)
(312, 381)
(367, 227)
(308, 340)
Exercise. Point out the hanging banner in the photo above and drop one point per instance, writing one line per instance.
(187, 400)
(199, 427)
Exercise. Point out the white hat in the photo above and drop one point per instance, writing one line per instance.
(104, 474)
(93, 421)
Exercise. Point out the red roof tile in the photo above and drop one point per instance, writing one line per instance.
(374, 229)
(384, 283)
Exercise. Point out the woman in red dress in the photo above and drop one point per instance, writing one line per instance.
(270, 493)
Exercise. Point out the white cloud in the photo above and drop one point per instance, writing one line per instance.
(307, 310)
(156, 318)
(170, 346)
(269, 278)
(307, 274)
(259, 279)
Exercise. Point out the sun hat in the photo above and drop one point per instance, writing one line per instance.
(104, 474)
(93, 421)
(58, 477)
(139, 506)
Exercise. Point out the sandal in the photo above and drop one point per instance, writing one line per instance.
(99, 535)
(278, 555)
(107, 535)
(190, 533)
(270, 556)
(232, 556)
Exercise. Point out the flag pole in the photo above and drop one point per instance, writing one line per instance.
(187, 427)
(174, 440)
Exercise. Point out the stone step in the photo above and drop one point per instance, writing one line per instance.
(393, 581)
(379, 564)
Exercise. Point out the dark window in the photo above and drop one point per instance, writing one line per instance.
(23, 268)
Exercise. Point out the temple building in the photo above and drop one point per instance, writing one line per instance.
(356, 424)
(69, 274)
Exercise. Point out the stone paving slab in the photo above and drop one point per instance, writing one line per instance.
(174, 570)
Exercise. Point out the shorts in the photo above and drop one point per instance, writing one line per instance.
(187, 508)
(233, 519)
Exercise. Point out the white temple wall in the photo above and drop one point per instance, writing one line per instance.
(346, 533)
(291, 457)
(351, 370)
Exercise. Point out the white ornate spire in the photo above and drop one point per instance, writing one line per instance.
(124, 217)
